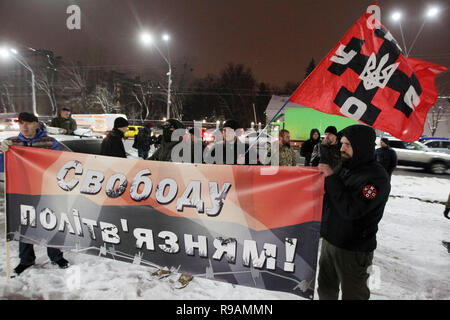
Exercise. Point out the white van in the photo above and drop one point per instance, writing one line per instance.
(97, 122)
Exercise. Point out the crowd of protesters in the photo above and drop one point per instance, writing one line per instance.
(357, 185)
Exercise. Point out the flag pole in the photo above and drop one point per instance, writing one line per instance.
(264, 130)
(281, 109)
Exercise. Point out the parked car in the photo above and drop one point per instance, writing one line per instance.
(8, 124)
(438, 145)
(251, 135)
(132, 131)
(417, 154)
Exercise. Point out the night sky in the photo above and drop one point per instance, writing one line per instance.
(275, 38)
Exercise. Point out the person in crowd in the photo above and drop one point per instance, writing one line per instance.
(356, 192)
(143, 140)
(112, 145)
(308, 146)
(164, 152)
(32, 134)
(234, 151)
(286, 154)
(386, 156)
(65, 121)
(327, 152)
(196, 139)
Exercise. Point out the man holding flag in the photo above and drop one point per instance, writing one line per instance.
(365, 77)
(355, 196)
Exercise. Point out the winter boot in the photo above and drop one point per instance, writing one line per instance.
(161, 273)
(184, 280)
(21, 268)
(62, 263)
(446, 244)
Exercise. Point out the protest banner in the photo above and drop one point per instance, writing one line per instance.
(223, 222)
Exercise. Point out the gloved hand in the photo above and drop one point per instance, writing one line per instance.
(446, 213)
(4, 146)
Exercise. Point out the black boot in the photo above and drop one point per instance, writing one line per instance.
(21, 268)
(447, 245)
(62, 263)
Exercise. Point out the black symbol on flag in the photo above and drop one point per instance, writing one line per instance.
(375, 73)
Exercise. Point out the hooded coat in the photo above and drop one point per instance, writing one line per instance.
(308, 146)
(355, 195)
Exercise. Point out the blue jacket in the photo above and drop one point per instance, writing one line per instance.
(41, 140)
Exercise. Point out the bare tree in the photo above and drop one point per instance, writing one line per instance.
(436, 115)
(6, 101)
(45, 82)
(104, 98)
(143, 97)
(76, 79)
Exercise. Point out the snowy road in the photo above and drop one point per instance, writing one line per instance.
(409, 263)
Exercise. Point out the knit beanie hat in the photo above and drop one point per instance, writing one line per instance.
(331, 129)
(120, 123)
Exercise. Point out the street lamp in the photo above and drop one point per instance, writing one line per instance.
(432, 12)
(10, 52)
(429, 14)
(397, 17)
(147, 39)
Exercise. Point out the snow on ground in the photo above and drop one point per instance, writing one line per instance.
(409, 263)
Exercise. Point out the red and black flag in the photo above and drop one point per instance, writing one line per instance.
(366, 77)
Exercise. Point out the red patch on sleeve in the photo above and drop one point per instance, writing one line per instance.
(369, 192)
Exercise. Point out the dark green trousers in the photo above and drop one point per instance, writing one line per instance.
(345, 268)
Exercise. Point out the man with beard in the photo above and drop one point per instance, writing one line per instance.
(356, 193)
(287, 155)
(327, 152)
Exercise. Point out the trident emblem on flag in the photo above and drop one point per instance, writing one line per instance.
(374, 76)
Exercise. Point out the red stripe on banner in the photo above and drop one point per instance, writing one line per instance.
(287, 196)
(25, 167)
(282, 199)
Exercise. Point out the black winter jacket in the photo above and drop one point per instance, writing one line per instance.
(355, 195)
(143, 140)
(308, 146)
(112, 145)
(387, 157)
